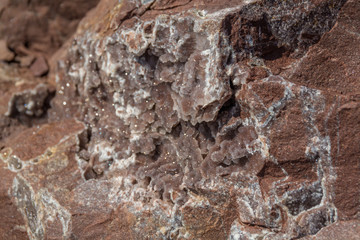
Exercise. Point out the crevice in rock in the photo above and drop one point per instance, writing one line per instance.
(147, 181)
(84, 139)
(206, 131)
(304, 198)
(148, 60)
(176, 130)
(274, 53)
(230, 109)
(156, 153)
(163, 8)
(90, 174)
(228, 166)
(261, 226)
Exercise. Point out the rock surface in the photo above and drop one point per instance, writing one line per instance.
(180, 119)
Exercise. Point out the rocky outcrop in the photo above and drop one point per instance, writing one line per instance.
(187, 120)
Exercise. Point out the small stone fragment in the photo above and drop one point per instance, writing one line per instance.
(26, 61)
(39, 67)
(5, 53)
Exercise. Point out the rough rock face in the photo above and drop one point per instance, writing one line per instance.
(191, 119)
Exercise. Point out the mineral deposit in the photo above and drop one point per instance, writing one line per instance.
(180, 119)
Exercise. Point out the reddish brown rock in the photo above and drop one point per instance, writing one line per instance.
(182, 120)
(39, 67)
(12, 223)
(26, 61)
(5, 53)
(346, 161)
(335, 57)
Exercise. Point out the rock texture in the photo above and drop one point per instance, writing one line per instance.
(180, 119)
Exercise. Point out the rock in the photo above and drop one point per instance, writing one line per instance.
(26, 61)
(340, 230)
(39, 67)
(42, 27)
(30, 102)
(188, 120)
(5, 53)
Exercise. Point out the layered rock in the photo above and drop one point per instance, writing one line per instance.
(190, 120)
